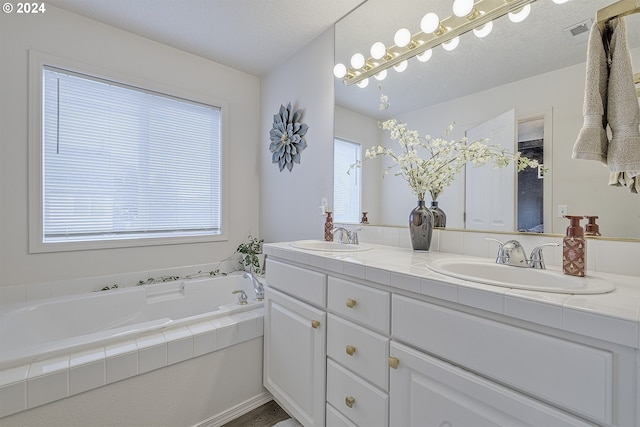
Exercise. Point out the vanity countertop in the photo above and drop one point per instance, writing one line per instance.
(613, 316)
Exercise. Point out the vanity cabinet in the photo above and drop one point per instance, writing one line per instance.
(295, 342)
(347, 351)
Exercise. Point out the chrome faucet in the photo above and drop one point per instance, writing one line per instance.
(513, 253)
(257, 285)
(242, 298)
(352, 236)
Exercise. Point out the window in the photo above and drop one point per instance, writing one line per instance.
(121, 163)
(346, 187)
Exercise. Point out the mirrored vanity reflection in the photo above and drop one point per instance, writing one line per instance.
(535, 67)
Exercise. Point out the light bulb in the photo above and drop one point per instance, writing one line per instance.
(339, 70)
(451, 44)
(381, 75)
(430, 23)
(401, 66)
(378, 50)
(425, 56)
(357, 61)
(462, 8)
(363, 83)
(484, 30)
(560, 1)
(520, 15)
(402, 37)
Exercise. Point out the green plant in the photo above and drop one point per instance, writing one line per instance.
(249, 251)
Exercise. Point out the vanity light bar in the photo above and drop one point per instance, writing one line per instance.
(483, 12)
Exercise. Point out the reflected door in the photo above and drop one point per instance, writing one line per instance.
(490, 192)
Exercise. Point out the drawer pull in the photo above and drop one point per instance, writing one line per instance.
(351, 303)
(394, 362)
(315, 324)
(351, 350)
(349, 401)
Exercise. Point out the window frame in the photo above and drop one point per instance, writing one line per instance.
(38, 60)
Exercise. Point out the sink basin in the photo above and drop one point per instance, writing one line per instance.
(490, 273)
(322, 245)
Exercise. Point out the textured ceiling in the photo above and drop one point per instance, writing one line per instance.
(254, 36)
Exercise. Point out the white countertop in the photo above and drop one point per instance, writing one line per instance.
(613, 317)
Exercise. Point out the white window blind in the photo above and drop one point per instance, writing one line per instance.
(121, 162)
(346, 187)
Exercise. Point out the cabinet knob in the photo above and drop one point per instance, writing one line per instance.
(351, 303)
(394, 362)
(315, 324)
(351, 350)
(349, 401)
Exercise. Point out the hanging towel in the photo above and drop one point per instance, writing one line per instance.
(623, 112)
(592, 141)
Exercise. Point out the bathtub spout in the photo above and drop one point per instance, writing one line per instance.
(257, 286)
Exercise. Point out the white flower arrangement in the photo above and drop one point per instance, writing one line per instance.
(443, 160)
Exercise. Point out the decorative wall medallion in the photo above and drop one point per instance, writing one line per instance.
(286, 137)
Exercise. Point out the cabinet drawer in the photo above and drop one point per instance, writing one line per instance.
(358, 349)
(570, 375)
(359, 401)
(360, 303)
(335, 419)
(305, 284)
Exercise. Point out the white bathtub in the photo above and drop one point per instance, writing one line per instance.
(122, 333)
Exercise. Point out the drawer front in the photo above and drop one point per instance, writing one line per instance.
(359, 401)
(301, 283)
(335, 419)
(360, 303)
(358, 349)
(570, 375)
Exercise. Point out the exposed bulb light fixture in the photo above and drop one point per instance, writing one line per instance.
(484, 30)
(425, 56)
(462, 8)
(378, 50)
(402, 37)
(363, 83)
(560, 1)
(521, 14)
(430, 23)
(467, 16)
(451, 44)
(357, 61)
(401, 66)
(339, 70)
(381, 75)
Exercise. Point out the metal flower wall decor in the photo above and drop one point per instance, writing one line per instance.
(286, 137)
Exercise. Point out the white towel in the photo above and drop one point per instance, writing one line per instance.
(623, 111)
(592, 141)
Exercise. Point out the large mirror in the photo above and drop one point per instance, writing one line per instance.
(535, 67)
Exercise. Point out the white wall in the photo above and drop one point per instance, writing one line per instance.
(560, 92)
(290, 200)
(67, 35)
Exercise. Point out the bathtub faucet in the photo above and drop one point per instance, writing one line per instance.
(257, 286)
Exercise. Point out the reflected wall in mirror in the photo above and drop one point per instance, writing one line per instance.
(536, 67)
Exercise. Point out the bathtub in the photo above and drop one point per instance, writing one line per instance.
(55, 348)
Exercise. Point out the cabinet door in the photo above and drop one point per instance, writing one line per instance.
(294, 356)
(425, 391)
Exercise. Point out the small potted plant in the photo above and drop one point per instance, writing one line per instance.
(252, 256)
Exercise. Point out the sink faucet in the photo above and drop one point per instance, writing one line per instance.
(352, 236)
(257, 285)
(513, 253)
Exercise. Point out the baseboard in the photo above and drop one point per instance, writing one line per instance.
(236, 411)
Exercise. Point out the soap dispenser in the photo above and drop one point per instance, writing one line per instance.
(328, 228)
(574, 248)
(591, 229)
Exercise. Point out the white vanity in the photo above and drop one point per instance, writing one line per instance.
(375, 338)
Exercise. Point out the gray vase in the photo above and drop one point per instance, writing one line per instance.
(439, 217)
(421, 227)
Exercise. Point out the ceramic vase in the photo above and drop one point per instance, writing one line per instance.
(421, 227)
(439, 217)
